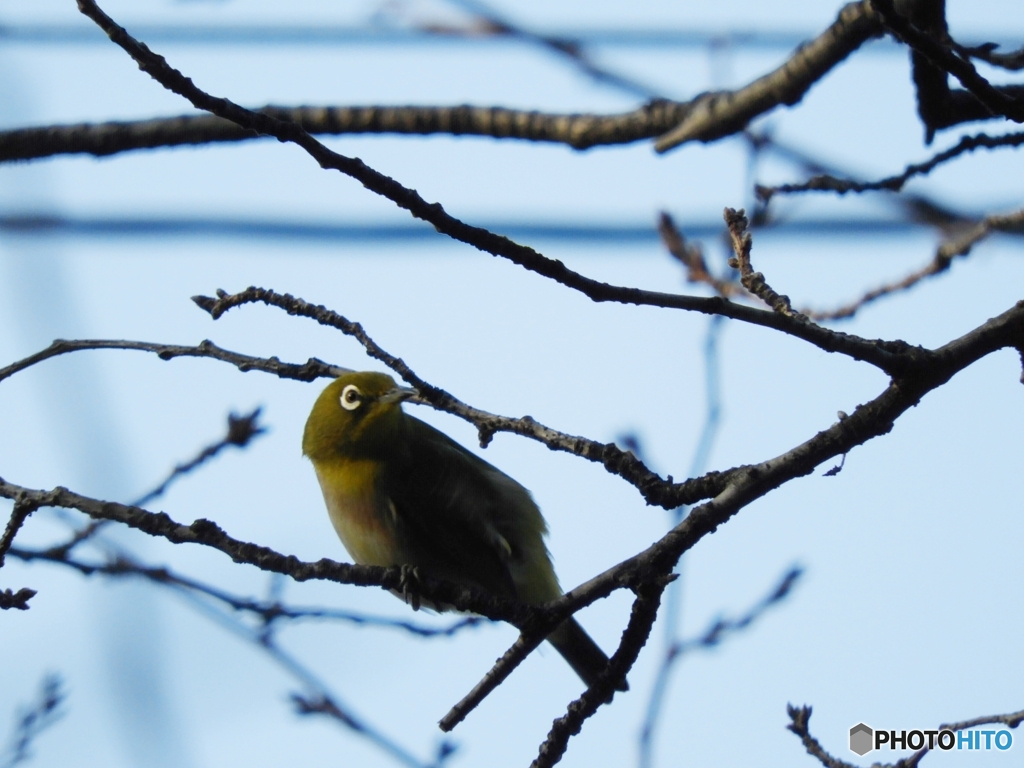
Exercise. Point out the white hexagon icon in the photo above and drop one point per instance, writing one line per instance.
(861, 737)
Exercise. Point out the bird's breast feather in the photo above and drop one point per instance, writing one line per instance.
(358, 511)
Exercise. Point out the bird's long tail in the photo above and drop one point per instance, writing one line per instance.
(582, 653)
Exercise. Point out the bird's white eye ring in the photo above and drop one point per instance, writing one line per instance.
(351, 397)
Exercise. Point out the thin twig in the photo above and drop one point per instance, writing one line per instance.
(311, 370)
(915, 207)
(720, 629)
(634, 638)
(800, 718)
(1013, 61)
(828, 183)
(691, 256)
(490, 22)
(241, 431)
(525, 644)
(35, 719)
(1012, 719)
(944, 255)
(122, 565)
(742, 242)
(22, 509)
(995, 100)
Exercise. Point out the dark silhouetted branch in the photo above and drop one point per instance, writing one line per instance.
(634, 638)
(933, 57)
(580, 131)
(829, 183)
(1013, 61)
(715, 115)
(311, 370)
(435, 214)
(241, 430)
(268, 612)
(208, 533)
(722, 628)
(800, 718)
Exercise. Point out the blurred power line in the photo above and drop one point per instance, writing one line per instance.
(587, 232)
(328, 35)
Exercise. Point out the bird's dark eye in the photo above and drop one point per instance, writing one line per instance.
(351, 397)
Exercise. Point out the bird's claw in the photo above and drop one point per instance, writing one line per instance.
(409, 584)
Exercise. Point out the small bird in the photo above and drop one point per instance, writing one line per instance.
(400, 492)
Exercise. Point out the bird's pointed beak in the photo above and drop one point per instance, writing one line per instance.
(397, 395)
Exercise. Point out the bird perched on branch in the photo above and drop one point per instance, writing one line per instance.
(399, 492)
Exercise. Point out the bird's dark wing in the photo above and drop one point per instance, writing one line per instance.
(458, 517)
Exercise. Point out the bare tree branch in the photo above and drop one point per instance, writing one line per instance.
(957, 246)
(800, 718)
(1012, 719)
(311, 370)
(706, 118)
(754, 282)
(890, 356)
(580, 130)
(623, 463)
(998, 101)
(23, 507)
(715, 115)
(268, 612)
(829, 183)
(872, 419)
(35, 719)
(928, 371)
(634, 638)
(1013, 61)
(241, 430)
(691, 256)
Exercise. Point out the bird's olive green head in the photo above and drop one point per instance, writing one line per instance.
(358, 415)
